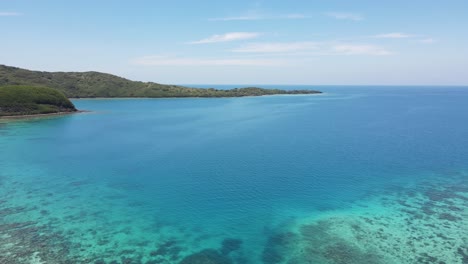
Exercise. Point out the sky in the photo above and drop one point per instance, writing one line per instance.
(360, 42)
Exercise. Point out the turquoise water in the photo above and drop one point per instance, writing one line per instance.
(354, 175)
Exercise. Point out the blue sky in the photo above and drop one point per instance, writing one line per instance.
(243, 42)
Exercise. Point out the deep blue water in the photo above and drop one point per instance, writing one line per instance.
(230, 167)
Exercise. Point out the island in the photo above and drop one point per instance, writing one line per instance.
(24, 92)
(102, 85)
(30, 100)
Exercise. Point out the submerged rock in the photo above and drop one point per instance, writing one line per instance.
(278, 246)
(449, 217)
(229, 245)
(207, 256)
(344, 253)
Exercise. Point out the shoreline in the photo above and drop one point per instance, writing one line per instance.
(41, 115)
(188, 97)
(15, 117)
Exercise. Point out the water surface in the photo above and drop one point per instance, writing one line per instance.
(355, 175)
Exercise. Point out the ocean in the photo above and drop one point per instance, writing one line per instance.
(358, 174)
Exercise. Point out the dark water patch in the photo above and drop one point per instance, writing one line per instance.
(130, 260)
(143, 243)
(461, 187)
(127, 252)
(449, 217)
(405, 204)
(229, 245)
(427, 208)
(19, 225)
(79, 183)
(13, 210)
(44, 212)
(155, 261)
(278, 247)
(463, 252)
(454, 208)
(344, 253)
(207, 256)
(438, 195)
(425, 258)
(169, 249)
(103, 241)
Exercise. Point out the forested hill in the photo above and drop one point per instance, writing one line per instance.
(17, 100)
(96, 84)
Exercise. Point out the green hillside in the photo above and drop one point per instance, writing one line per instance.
(30, 100)
(96, 84)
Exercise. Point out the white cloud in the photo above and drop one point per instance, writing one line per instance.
(187, 61)
(313, 48)
(256, 16)
(10, 14)
(427, 40)
(232, 36)
(394, 35)
(345, 16)
(353, 49)
(278, 47)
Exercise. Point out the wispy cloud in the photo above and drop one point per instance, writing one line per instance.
(257, 16)
(10, 14)
(313, 48)
(345, 16)
(192, 61)
(394, 35)
(354, 49)
(231, 36)
(427, 40)
(400, 35)
(277, 47)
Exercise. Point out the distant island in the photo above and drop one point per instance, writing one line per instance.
(95, 84)
(29, 100)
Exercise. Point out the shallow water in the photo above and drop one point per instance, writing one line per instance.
(356, 175)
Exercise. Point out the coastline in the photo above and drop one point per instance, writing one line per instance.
(188, 97)
(21, 117)
(10, 117)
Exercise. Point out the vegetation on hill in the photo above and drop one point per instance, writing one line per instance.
(30, 100)
(96, 84)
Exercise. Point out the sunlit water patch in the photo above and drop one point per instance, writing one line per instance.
(357, 175)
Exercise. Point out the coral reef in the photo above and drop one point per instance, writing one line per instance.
(229, 245)
(207, 256)
(420, 223)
